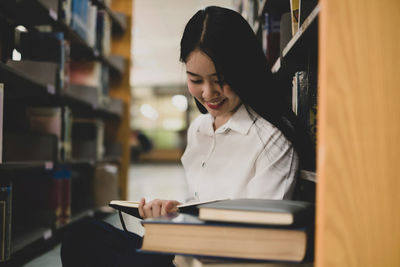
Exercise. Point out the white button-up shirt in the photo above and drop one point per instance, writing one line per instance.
(247, 157)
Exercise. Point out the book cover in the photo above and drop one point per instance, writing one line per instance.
(191, 261)
(258, 211)
(187, 234)
(131, 207)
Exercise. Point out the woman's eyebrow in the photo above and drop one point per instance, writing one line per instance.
(198, 75)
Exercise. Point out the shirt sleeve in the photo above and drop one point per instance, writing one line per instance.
(275, 170)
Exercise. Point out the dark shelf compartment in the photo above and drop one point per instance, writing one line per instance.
(305, 41)
(266, 6)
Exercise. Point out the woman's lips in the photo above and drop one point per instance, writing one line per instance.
(215, 104)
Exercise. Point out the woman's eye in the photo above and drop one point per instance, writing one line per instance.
(196, 81)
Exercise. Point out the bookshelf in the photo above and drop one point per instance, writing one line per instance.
(355, 46)
(33, 174)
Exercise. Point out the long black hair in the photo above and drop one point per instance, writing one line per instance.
(227, 38)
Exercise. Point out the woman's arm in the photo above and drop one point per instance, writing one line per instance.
(275, 171)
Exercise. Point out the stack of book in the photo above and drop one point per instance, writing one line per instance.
(256, 232)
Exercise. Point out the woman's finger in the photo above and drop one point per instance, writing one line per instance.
(141, 205)
(156, 208)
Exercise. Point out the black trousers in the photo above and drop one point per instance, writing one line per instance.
(96, 243)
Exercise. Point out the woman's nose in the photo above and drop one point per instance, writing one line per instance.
(210, 91)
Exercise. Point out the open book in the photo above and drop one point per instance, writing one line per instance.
(132, 207)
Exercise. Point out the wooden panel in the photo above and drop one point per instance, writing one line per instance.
(120, 88)
(358, 218)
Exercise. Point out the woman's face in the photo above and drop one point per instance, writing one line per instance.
(217, 97)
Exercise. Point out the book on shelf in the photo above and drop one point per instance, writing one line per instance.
(65, 12)
(46, 46)
(91, 25)
(131, 207)
(5, 219)
(294, 11)
(103, 33)
(18, 146)
(258, 211)
(304, 101)
(52, 120)
(187, 234)
(92, 76)
(192, 261)
(105, 184)
(61, 195)
(85, 72)
(79, 17)
(271, 37)
(87, 139)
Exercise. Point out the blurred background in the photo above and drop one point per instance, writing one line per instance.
(161, 107)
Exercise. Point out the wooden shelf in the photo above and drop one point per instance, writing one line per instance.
(25, 165)
(24, 239)
(33, 12)
(18, 83)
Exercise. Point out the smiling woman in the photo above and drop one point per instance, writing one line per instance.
(246, 144)
(204, 84)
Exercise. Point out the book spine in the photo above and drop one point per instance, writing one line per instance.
(1, 120)
(61, 195)
(294, 9)
(5, 220)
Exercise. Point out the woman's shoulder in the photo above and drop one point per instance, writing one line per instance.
(269, 133)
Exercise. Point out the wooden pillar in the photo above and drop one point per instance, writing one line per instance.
(120, 88)
(358, 214)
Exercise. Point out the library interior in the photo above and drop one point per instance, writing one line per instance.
(98, 109)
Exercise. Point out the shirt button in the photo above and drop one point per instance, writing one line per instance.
(203, 164)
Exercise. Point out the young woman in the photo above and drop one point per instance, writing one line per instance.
(247, 143)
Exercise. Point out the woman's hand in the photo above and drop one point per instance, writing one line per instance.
(157, 207)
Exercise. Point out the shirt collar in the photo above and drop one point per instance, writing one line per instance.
(240, 122)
